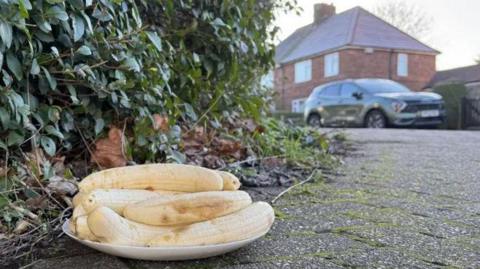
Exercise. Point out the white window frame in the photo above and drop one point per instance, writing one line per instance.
(297, 107)
(303, 71)
(402, 65)
(332, 64)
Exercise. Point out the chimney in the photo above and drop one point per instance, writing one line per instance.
(322, 12)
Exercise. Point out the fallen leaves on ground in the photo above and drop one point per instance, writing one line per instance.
(204, 147)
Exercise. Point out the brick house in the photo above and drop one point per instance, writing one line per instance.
(352, 44)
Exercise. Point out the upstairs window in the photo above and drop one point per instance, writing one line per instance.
(303, 71)
(332, 64)
(402, 65)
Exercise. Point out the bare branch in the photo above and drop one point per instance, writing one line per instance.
(407, 17)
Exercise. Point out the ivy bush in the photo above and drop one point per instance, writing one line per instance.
(71, 68)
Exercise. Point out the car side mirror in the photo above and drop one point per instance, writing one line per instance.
(357, 95)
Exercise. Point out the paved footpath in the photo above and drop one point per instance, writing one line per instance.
(404, 198)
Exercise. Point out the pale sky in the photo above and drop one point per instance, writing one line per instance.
(455, 29)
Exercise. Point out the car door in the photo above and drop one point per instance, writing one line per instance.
(329, 100)
(351, 103)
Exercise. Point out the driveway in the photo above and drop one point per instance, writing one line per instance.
(403, 198)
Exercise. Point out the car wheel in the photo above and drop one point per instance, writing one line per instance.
(375, 119)
(314, 120)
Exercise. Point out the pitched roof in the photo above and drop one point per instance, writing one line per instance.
(466, 74)
(354, 27)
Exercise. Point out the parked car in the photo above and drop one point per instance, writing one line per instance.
(372, 103)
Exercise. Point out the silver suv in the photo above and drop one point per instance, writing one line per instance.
(372, 103)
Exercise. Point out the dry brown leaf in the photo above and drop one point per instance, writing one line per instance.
(229, 148)
(213, 161)
(200, 135)
(160, 122)
(109, 151)
(39, 202)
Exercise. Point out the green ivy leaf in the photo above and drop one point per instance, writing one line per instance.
(177, 156)
(45, 37)
(101, 14)
(190, 112)
(78, 4)
(35, 69)
(54, 114)
(23, 6)
(132, 64)
(57, 12)
(78, 27)
(73, 94)
(7, 79)
(6, 33)
(99, 125)
(42, 24)
(196, 58)
(48, 145)
(155, 39)
(218, 22)
(88, 21)
(84, 50)
(14, 138)
(51, 80)
(53, 131)
(14, 65)
(4, 117)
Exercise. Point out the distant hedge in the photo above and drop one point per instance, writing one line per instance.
(71, 68)
(452, 95)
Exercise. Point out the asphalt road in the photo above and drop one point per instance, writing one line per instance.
(403, 198)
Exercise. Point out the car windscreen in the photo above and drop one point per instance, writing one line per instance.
(382, 86)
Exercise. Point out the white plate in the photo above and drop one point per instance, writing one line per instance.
(429, 113)
(162, 253)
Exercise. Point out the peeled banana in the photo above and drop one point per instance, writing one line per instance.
(166, 205)
(186, 208)
(117, 199)
(110, 227)
(78, 198)
(171, 177)
(252, 221)
(230, 181)
(82, 229)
